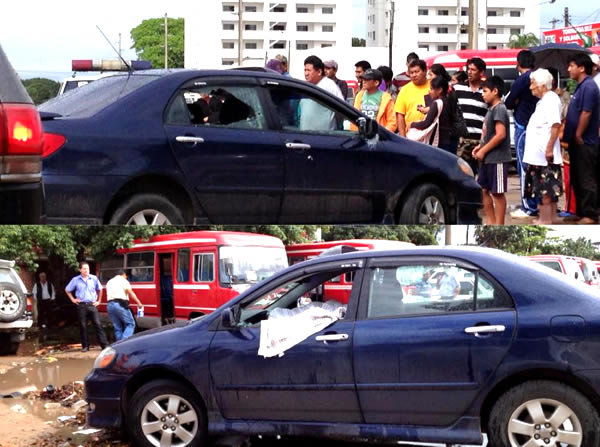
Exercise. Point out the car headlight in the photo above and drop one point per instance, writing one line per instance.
(464, 167)
(105, 358)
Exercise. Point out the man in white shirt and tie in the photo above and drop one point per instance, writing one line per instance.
(44, 294)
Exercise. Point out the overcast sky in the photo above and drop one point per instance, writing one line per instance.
(47, 36)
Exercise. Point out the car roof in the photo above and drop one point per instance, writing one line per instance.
(11, 87)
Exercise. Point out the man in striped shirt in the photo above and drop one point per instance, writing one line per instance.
(474, 109)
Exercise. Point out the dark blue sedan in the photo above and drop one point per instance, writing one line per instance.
(236, 147)
(513, 354)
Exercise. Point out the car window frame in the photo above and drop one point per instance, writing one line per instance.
(417, 260)
(299, 274)
(233, 81)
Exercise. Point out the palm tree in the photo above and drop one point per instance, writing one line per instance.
(523, 40)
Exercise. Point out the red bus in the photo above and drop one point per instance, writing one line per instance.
(339, 288)
(186, 275)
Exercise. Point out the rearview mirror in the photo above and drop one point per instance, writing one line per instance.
(230, 317)
(367, 128)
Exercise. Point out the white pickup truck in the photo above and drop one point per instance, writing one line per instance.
(15, 318)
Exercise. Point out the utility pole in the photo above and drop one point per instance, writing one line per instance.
(473, 24)
(240, 35)
(566, 16)
(166, 42)
(391, 49)
(554, 22)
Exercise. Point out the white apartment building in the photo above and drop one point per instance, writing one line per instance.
(220, 34)
(442, 25)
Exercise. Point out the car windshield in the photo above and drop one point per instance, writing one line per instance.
(88, 100)
(248, 265)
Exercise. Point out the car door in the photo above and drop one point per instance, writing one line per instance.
(332, 174)
(422, 350)
(218, 132)
(311, 381)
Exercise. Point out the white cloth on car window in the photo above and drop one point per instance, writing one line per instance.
(285, 328)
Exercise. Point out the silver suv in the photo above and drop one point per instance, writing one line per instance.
(15, 319)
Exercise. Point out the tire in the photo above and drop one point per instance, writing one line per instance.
(578, 425)
(147, 209)
(426, 204)
(13, 302)
(157, 395)
(7, 346)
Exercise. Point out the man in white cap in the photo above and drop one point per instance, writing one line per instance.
(596, 69)
(331, 68)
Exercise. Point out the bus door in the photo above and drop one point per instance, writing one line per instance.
(203, 287)
(165, 287)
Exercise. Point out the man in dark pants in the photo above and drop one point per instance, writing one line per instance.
(44, 294)
(86, 289)
(581, 132)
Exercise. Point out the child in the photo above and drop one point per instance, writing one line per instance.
(374, 103)
(493, 152)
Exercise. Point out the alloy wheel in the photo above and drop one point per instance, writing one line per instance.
(149, 217)
(544, 422)
(169, 421)
(432, 212)
(9, 302)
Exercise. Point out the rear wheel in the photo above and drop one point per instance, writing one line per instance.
(425, 205)
(13, 302)
(147, 209)
(543, 413)
(164, 413)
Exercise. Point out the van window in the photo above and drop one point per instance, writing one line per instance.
(140, 267)
(204, 267)
(554, 265)
(183, 265)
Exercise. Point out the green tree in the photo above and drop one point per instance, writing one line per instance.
(417, 234)
(523, 40)
(521, 240)
(581, 247)
(358, 42)
(41, 89)
(149, 42)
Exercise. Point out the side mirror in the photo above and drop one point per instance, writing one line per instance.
(367, 128)
(576, 275)
(230, 318)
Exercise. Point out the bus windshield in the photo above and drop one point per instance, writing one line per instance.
(249, 265)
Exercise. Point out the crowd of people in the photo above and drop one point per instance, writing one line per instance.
(466, 114)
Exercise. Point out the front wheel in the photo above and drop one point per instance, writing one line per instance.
(147, 209)
(543, 413)
(164, 413)
(425, 205)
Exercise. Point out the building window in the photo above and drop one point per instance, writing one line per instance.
(227, 62)
(423, 30)
(228, 45)
(515, 13)
(302, 10)
(251, 45)
(279, 45)
(463, 46)
(326, 45)
(302, 28)
(250, 27)
(423, 12)
(516, 31)
(492, 31)
(492, 13)
(228, 27)
(492, 47)
(464, 30)
(228, 8)
(278, 27)
(250, 9)
(442, 47)
(278, 8)
(373, 35)
(464, 12)
(442, 30)
(424, 47)
(302, 46)
(442, 12)
(328, 28)
(327, 10)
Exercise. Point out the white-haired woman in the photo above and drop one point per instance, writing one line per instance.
(543, 180)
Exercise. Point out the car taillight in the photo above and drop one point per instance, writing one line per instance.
(29, 304)
(20, 130)
(52, 143)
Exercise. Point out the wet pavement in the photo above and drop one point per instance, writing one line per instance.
(34, 417)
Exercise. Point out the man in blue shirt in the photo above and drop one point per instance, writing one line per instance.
(581, 132)
(521, 100)
(84, 291)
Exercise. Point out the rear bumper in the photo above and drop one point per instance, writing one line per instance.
(21, 203)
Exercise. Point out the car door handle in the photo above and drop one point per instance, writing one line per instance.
(298, 146)
(190, 140)
(485, 329)
(332, 337)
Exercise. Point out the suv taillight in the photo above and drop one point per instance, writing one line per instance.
(20, 130)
